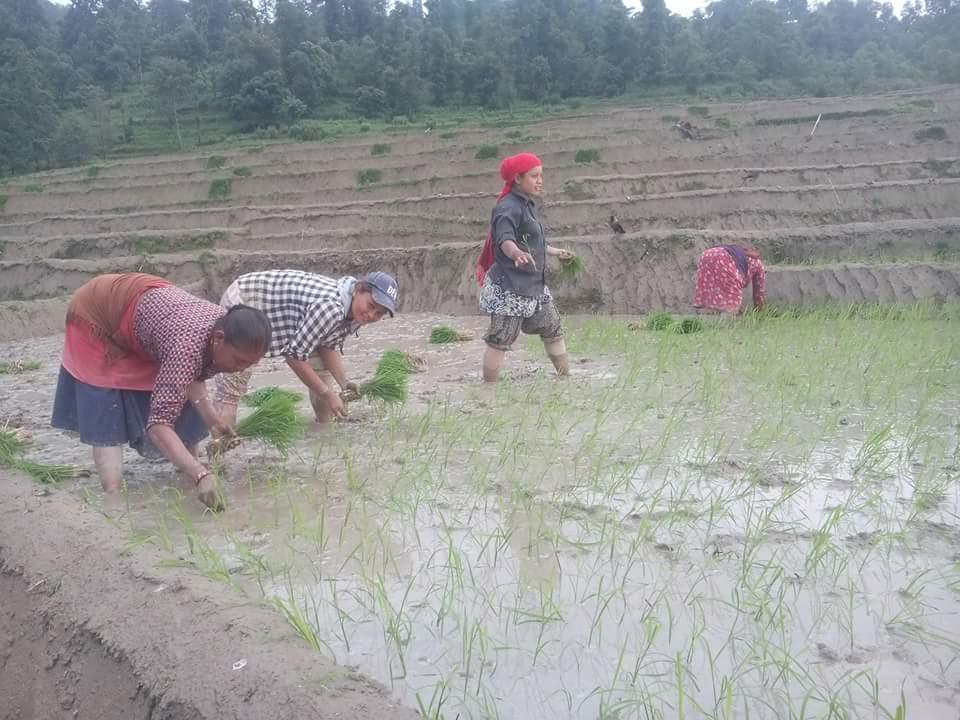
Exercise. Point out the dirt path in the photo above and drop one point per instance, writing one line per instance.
(97, 632)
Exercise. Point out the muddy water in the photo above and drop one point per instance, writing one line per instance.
(758, 522)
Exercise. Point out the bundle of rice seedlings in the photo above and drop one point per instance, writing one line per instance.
(44, 473)
(257, 397)
(659, 321)
(570, 267)
(389, 381)
(275, 422)
(12, 445)
(443, 334)
(688, 326)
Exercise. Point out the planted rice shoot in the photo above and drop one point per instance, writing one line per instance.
(443, 334)
(261, 395)
(275, 422)
(571, 267)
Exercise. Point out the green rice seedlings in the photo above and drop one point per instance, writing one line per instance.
(275, 422)
(688, 326)
(258, 397)
(660, 321)
(570, 267)
(389, 382)
(18, 366)
(13, 443)
(443, 334)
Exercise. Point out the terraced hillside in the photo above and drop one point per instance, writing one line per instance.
(867, 207)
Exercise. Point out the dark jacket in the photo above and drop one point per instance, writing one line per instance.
(515, 218)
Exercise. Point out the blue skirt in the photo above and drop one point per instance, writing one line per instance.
(106, 417)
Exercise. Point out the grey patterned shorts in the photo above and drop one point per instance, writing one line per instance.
(504, 329)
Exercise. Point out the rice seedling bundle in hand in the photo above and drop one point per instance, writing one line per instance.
(659, 321)
(389, 381)
(275, 422)
(570, 267)
(258, 397)
(443, 334)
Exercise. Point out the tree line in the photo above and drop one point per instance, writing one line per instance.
(278, 63)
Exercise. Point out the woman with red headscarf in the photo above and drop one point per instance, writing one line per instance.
(723, 272)
(511, 270)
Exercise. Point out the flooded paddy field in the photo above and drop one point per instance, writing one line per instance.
(758, 520)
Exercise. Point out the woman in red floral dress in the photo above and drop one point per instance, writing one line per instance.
(723, 272)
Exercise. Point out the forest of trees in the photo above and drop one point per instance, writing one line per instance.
(277, 63)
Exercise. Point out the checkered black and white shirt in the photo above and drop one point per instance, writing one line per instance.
(307, 311)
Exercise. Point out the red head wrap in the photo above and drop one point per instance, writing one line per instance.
(509, 169)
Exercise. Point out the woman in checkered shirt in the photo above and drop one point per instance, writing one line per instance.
(311, 316)
(136, 354)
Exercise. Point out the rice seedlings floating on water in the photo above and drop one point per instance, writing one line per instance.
(688, 326)
(659, 321)
(443, 334)
(570, 268)
(274, 422)
(258, 397)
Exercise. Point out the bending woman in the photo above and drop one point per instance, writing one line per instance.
(136, 353)
(723, 272)
(511, 270)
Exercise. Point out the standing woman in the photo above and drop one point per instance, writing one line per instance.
(723, 272)
(136, 353)
(511, 270)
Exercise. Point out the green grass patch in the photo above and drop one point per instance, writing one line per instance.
(514, 134)
(448, 135)
(159, 245)
(487, 152)
(242, 171)
(584, 156)
(215, 162)
(839, 115)
(381, 149)
(33, 188)
(723, 122)
(220, 189)
(699, 110)
(660, 321)
(3, 202)
(930, 134)
(369, 176)
(94, 171)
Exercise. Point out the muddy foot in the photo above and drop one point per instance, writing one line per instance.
(210, 495)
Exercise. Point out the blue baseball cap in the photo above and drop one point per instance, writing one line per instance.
(384, 289)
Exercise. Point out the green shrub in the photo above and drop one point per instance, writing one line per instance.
(587, 156)
(486, 152)
(381, 149)
(220, 189)
(3, 202)
(514, 134)
(93, 171)
(33, 188)
(242, 171)
(448, 135)
(369, 176)
(924, 134)
(722, 122)
(215, 162)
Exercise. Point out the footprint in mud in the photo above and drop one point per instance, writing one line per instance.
(857, 655)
